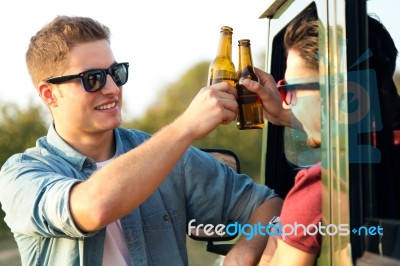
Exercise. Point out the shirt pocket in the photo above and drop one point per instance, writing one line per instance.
(161, 221)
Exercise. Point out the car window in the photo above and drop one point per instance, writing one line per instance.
(297, 151)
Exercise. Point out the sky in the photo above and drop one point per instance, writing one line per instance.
(161, 39)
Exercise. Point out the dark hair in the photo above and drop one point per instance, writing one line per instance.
(384, 52)
(302, 35)
(383, 61)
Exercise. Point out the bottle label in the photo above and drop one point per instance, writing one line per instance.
(223, 75)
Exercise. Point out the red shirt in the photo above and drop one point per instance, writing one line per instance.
(302, 205)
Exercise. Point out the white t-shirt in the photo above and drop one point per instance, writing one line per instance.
(115, 249)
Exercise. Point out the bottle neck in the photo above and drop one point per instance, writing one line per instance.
(245, 68)
(225, 45)
(245, 56)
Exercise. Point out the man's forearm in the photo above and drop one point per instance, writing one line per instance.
(129, 180)
(248, 252)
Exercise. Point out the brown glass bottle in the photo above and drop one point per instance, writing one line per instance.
(250, 108)
(222, 67)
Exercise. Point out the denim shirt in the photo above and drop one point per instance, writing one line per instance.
(35, 188)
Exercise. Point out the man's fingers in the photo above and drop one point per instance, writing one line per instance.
(225, 87)
(265, 79)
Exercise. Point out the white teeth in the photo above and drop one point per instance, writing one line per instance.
(107, 106)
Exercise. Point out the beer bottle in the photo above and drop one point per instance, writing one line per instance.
(222, 67)
(250, 108)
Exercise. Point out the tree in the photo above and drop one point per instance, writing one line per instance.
(19, 130)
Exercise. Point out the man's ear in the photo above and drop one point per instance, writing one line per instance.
(46, 92)
(290, 97)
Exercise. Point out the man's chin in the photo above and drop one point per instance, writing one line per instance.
(111, 126)
(314, 142)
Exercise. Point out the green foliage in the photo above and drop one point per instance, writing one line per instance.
(19, 130)
(176, 98)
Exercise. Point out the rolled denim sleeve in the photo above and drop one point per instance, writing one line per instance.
(35, 199)
(217, 194)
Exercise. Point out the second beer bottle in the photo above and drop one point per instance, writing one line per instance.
(250, 107)
(222, 67)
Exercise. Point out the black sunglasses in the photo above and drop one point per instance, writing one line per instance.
(284, 88)
(95, 79)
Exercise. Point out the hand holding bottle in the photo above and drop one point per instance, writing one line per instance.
(271, 100)
(250, 108)
(212, 106)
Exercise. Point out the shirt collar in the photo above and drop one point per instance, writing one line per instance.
(61, 148)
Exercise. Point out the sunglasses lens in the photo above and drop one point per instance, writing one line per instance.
(94, 80)
(119, 74)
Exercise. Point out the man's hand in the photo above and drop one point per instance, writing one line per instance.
(285, 254)
(212, 106)
(271, 100)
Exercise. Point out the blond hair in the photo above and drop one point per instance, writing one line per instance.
(49, 49)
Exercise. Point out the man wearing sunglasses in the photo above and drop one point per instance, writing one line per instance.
(300, 95)
(295, 102)
(94, 193)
